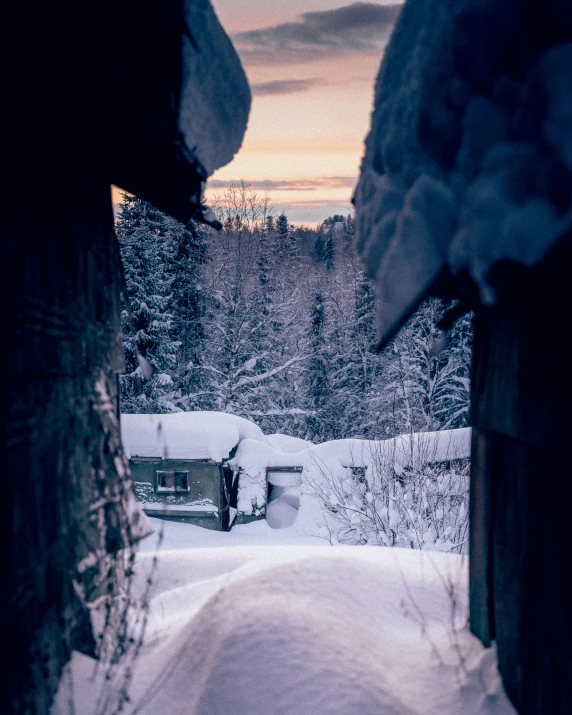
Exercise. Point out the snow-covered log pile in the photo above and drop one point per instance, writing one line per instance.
(469, 159)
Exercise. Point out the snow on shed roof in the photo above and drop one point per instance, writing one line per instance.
(407, 450)
(186, 435)
(287, 444)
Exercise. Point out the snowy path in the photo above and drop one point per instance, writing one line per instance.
(267, 622)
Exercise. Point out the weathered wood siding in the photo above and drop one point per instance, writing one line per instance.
(520, 493)
(60, 318)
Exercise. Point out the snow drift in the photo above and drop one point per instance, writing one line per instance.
(298, 630)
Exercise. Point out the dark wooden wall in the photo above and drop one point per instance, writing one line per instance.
(61, 453)
(521, 495)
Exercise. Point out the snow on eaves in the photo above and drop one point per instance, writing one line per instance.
(468, 162)
(215, 101)
(186, 435)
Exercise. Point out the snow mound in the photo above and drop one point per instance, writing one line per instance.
(254, 627)
(186, 435)
(281, 512)
(305, 649)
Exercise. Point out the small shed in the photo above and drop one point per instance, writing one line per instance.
(178, 463)
(260, 480)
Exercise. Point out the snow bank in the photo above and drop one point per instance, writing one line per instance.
(299, 631)
(469, 159)
(186, 435)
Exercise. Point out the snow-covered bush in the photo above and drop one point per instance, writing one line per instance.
(411, 491)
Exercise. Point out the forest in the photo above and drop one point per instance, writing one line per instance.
(276, 323)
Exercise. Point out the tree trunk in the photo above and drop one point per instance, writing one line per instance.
(66, 492)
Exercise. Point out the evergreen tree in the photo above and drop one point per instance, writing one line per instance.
(143, 237)
(318, 382)
(283, 236)
(189, 304)
(319, 247)
(427, 376)
(329, 254)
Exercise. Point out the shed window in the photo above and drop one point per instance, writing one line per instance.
(172, 482)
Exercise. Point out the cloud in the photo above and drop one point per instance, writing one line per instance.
(361, 27)
(311, 212)
(286, 86)
(327, 182)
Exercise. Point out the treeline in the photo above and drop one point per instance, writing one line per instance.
(276, 324)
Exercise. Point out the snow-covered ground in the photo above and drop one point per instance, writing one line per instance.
(261, 621)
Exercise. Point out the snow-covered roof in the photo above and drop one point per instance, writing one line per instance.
(186, 435)
(253, 458)
(402, 451)
(435, 189)
(285, 443)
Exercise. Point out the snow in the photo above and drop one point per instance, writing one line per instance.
(215, 99)
(243, 622)
(185, 435)
(285, 443)
(282, 511)
(469, 159)
(253, 458)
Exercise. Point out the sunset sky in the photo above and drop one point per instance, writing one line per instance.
(311, 65)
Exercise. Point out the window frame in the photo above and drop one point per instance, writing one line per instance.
(176, 488)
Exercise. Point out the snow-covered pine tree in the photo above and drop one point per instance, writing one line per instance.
(146, 252)
(189, 299)
(364, 364)
(329, 253)
(318, 370)
(319, 247)
(426, 384)
(283, 247)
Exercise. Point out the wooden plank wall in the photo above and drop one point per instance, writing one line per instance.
(60, 319)
(521, 505)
